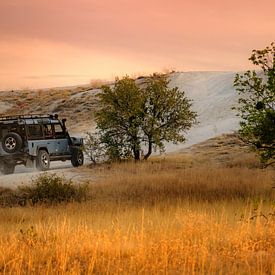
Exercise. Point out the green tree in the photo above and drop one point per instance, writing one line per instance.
(257, 103)
(132, 118)
(167, 114)
(119, 118)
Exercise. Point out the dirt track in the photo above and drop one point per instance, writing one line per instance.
(24, 175)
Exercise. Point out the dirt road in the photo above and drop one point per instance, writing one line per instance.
(24, 175)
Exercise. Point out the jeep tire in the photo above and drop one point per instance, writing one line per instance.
(12, 142)
(43, 160)
(8, 168)
(77, 157)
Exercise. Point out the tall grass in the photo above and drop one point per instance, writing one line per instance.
(162, 181)
(150, 218)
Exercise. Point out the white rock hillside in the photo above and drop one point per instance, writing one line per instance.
(213, 97)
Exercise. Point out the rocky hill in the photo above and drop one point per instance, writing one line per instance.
(212, 93)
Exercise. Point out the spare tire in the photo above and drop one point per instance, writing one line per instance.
(12, 142)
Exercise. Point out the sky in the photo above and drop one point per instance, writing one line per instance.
(47, 43)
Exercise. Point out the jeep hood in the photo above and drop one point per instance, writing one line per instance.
(77, 141)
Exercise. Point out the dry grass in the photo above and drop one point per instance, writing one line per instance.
(181, 238)
(148, 218)
(98, 83)
(226, 150)
(163, 181)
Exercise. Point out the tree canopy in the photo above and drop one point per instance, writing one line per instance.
(167, 114)
(134, 120)
(257, 103)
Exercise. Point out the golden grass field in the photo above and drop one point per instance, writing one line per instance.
(165, 216)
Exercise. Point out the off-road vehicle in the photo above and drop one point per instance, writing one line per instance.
(35, 140)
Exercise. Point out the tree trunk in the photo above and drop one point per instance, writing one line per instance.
(136, 149)
(149, 151)
(137, 154)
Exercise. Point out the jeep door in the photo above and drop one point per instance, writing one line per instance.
(49, 138)
(37, 139)
(61, 140)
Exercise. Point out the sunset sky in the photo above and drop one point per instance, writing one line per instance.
(47, 43)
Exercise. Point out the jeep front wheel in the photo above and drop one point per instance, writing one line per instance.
(77, 157)
(43, 161)
(12, 142)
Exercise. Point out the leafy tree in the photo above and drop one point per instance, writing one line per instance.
(167, 114)
(132, 118)
(257, 103)
(119, 118)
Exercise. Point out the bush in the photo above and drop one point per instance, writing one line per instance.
(51, 188)
(9, 197)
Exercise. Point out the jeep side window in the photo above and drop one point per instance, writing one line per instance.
(35, 131)
(47, 129)
(59, 133)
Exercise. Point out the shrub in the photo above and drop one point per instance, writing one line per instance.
(51, 188)
(10, 197)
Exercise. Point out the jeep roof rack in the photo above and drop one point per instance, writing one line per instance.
(31, 116)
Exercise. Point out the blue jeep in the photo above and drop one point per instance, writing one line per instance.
(36, 140)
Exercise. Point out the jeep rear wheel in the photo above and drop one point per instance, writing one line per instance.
(12, 142)
(43, 161)
(8, 168)
(77, 157)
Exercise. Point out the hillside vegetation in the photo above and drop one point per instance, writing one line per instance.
(77, 104)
